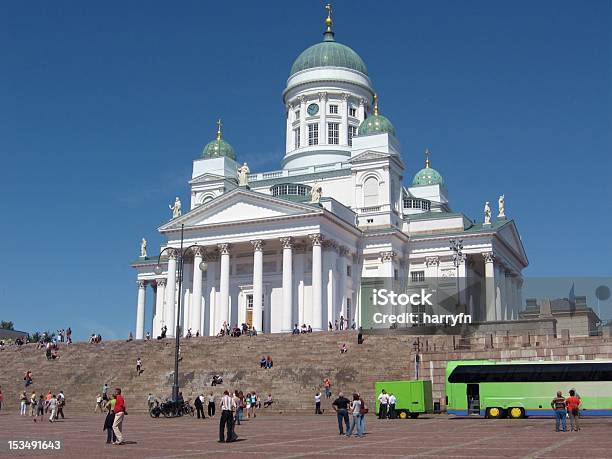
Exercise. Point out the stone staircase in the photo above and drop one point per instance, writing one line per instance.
(300, 364)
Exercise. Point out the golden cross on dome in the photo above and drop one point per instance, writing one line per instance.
(427, 153)
(328, 21)
(376, 104)
(219, 124)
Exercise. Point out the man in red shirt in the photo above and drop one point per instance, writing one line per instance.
(573, 409)
(119, 414)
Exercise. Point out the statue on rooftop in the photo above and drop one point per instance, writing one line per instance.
(176, 208)
(315, 193)
(243, 175)
(502, 207)
(143, 248)
(487, 213)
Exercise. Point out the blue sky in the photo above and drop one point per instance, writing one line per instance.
(104, 105)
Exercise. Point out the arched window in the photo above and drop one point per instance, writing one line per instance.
(370, 192)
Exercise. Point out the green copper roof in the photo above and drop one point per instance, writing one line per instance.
(376, 124)
(328, 53)
(427, 176)
(218, 148)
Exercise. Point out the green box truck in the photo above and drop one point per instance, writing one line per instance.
(412, 397)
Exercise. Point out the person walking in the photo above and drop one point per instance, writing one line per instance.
(120, 412)
(318, 403)
(573, 410)
(340, 406)
(383, 399)
(559, 406)
(392, 401)
(211, 405)
(327, 385)
(33, 403)
(356, 412)
(138, 366)
(199, 406)
(40, 408)
(238, 400)
(53, 408)
(1, 398)
(226, 422)
(23, 404)
(61, 402)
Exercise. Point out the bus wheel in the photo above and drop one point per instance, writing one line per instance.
(516, 413)
(494, 413)
(403, 414)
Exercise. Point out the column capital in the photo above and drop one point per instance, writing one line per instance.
(172, 254)
(489, 257)
(287, 242)
(330, 244)
(141, 283)
(323, 96)
(198, 251)
(432, 261)
(257, 245)
(302, 100)
(343, 250)
(161, 282)
(362, 102)
(224, 248)
(387, 256)
(315, 239)
(345, 96)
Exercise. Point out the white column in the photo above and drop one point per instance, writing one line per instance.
(289, 135)
(344, 123)
(169, 311)
(388, 269)
(257, 284)
(322, 118)
(329, 268)
(160, 301)
(317, 292)
(213, 306)
(512, 297)
(519, 294)
(342, 252)
(508, 295)
(224, 250)
(196, 293)
(462, 283)
(303, 127)
(140, 309)
(499, 291)
(287, 243)
(489, 285)
(361, 110)
(298, 270)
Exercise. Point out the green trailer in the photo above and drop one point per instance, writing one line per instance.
(413, 397)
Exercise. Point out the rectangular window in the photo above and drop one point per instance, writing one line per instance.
(352, 132)
(417, 276)
(313, 134)
(353, 112)
(333, 109)
(297, 114)
(296, 138)
(333, 133)
(348, 270)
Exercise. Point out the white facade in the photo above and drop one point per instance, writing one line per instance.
(274, 259)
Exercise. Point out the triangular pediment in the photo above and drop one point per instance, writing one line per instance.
(240, 205)
(369, 156)
(510, 235)
(205, 178)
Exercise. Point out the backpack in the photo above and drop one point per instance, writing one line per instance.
(362, 409)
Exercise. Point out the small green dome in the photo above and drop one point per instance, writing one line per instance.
(427, 175)
(329, 53)
(376, 124)
(218, 147)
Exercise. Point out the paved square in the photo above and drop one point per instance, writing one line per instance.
(315, 436)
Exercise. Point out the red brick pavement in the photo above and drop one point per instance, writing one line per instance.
(315, 436)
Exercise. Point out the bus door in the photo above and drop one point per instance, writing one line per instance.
(473, 399)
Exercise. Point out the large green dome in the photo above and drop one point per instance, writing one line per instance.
(329, 53)
(427, 175)
(218, 147)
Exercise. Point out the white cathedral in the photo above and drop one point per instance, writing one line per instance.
(295, 245)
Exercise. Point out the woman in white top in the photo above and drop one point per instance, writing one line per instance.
(356, 411)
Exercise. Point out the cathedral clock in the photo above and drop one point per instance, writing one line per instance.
(313, 109)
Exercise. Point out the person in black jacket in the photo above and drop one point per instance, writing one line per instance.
(108, 424)
(199, 406)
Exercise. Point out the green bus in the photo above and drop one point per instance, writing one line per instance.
(413, 397)
(525, 388)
